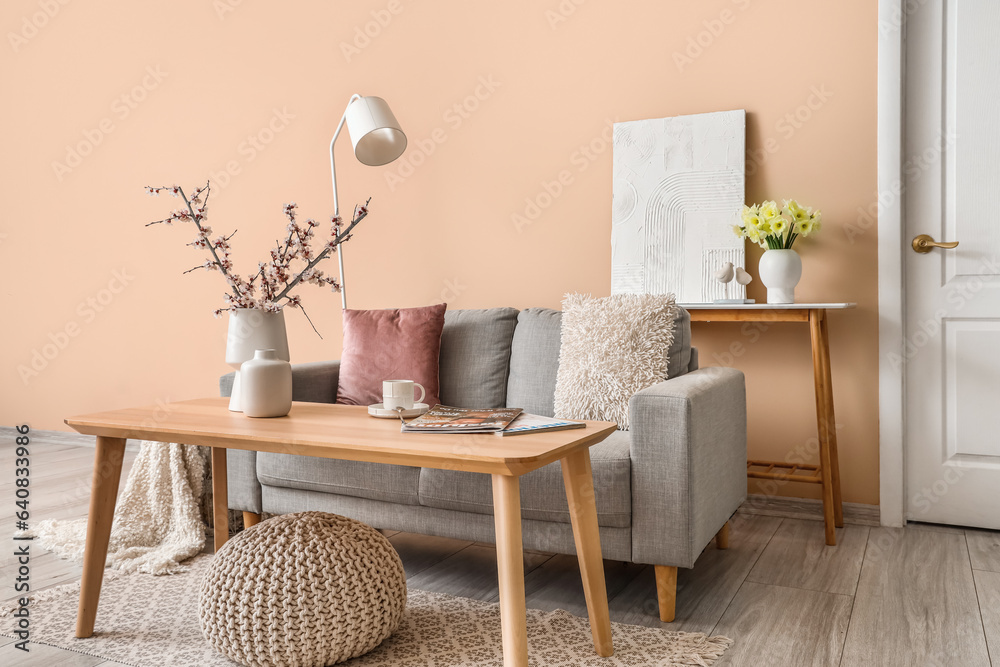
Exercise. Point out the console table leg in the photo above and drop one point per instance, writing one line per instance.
(831, 431)
(220, 497)
(108, 456)
(823, 424)
(579, 481)
(510, 567)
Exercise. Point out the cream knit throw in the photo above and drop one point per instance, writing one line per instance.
(158, 520)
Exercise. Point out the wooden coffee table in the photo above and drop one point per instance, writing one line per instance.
(347, 432)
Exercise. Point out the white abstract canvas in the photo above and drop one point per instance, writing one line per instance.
(678, 189)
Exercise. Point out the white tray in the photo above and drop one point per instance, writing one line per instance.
(379, 410)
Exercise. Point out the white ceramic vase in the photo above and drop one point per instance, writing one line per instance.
(780, 271)
(266, 385)
(250, 330)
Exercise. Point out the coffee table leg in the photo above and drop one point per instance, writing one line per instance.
(579, 482)
(108, 457)
(220, 497)
(510, 566)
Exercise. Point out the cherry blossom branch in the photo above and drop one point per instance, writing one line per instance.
(274, 279)
(343, 236)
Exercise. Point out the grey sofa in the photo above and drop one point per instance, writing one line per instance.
(664, 488)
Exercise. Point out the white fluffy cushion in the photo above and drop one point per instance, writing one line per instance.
(611, 349)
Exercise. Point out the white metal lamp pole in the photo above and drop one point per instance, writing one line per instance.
(377, 140)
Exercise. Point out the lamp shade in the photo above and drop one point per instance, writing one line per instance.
(374, 131)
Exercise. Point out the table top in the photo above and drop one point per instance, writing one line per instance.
(767, 306)
(339, 432)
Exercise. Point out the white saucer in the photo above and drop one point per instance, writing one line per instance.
(380, 411)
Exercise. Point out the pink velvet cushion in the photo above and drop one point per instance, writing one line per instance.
(400, 344)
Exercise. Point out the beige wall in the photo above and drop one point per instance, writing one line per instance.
(157, 96)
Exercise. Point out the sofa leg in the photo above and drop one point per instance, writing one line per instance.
(250, 519)
(666, 591)
(722, 537)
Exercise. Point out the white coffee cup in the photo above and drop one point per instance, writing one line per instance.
(398, 394)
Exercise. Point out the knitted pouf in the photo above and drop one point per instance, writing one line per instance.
(302, 590)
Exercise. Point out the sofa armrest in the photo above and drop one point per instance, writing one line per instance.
(313, 382)
(689, 453)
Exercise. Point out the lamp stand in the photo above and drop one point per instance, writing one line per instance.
(336, 202)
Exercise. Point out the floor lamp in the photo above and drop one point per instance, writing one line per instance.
(377, 140)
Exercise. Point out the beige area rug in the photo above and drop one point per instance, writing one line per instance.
(150, 621)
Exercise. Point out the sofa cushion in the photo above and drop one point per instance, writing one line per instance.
(475, 357)
(612, 348)
(679, 362)
(534, 358)
(375, 481)
(395, 344)
(543, 496)
(534, 361)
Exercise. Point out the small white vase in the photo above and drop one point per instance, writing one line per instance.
(266, 385)
(780, 271)
(251, 329)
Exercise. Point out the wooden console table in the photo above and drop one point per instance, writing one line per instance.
(827, 472)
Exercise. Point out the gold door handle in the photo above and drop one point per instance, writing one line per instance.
(925, 243)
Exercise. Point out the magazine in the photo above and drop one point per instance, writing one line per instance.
(526, 423)
(445, 419)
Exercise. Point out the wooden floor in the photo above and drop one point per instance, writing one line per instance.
(920, 596)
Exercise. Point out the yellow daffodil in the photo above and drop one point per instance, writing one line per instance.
(795, 211)
(769, 210)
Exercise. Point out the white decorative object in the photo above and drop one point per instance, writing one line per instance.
(780, 271)
(267, 385)
(678, 188)
(742, 277)
(398, 394)
(610, 349)
(725, 276)
(250, 330)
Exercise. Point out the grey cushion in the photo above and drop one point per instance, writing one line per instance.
(534, 358)
(680, 349)
(375, 481)
(616, 543)
(543, 496)
(475, 357)
(534, 361)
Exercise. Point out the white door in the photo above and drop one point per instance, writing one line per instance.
(951, 192)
